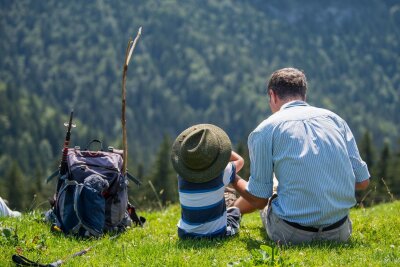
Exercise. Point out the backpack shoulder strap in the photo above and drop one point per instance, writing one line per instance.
(134, 179)
(21, 260)
(51, 177)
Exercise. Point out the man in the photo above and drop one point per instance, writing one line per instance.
(313, 154)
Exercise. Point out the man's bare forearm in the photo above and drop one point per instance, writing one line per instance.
(240, 185)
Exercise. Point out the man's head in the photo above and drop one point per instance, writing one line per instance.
(286, 85)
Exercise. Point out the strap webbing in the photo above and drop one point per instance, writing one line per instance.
(134, 179)
(54, 174)
(21, 260)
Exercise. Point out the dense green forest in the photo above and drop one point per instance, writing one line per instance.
(197, 61)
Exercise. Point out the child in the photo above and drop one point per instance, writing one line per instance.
(203, 158)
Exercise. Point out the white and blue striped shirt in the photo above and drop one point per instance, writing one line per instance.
(315, 158)
(203, 209)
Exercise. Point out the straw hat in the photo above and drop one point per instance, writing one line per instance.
(201, 152)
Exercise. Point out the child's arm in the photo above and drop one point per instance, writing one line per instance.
(237, 160)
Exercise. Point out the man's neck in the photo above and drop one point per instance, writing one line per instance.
(284, 101)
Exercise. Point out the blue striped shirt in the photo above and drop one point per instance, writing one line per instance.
(315, 158)
(203, 209)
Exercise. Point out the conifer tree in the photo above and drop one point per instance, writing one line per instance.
(138, 194)
(383, 163)
(367, 150)
(164, 178)
(38, 192)
(243, 151)
(383, 181)
(394, 173)
(16, 187)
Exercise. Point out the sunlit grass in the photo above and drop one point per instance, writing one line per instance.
(375, 242)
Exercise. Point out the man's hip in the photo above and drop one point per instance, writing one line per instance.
(285, 232)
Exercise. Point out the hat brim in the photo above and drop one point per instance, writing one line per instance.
(216, 168)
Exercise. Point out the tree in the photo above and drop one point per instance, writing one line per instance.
(138, 195)
(382, 167)
(164, 178)
(367, 154)
(383, 163)
(38, 192)
(367, 150)
(243, 151)
(16, 187)
(394, 173)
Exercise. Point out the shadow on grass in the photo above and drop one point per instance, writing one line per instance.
(255, 243)
(244, 236)
(331, 244)
(204, 242)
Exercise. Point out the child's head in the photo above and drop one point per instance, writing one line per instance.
(201, 152)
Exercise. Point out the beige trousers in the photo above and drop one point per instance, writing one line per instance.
(285, 234)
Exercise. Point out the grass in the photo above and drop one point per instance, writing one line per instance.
(375, 242)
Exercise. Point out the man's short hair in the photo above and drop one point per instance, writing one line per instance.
(288, 82)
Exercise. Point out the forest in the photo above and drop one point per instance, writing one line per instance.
(196, 62)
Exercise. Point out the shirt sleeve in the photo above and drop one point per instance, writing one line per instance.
(229, 173)
(360, 168)
(261, 164)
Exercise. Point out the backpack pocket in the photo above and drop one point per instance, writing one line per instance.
(116, 205)
(80, 209)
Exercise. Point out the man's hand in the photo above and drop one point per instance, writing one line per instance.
(247, 202)
(362, 185)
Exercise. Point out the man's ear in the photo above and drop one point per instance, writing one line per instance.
(273, 96)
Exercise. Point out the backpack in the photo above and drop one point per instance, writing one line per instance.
(92, 196)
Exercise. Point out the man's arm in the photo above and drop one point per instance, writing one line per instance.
(247, 202)
(360, 168)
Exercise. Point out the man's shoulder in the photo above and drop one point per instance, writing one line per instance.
(303, 113)
(266, 127)
(329, 113)
(272, 121)
(288, 116)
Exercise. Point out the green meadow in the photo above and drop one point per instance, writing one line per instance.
(375, 242)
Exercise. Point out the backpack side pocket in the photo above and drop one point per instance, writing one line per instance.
(116, 205)
(80, 209)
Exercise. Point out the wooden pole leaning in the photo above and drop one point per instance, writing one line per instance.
(128, 54)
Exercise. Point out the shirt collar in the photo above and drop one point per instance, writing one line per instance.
(294, 103)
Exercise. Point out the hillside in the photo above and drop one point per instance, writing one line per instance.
(375, 242)
(197, 61)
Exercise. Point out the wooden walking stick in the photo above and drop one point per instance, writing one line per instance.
(128, 54)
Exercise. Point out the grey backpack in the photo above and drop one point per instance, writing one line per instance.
(92, 196)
